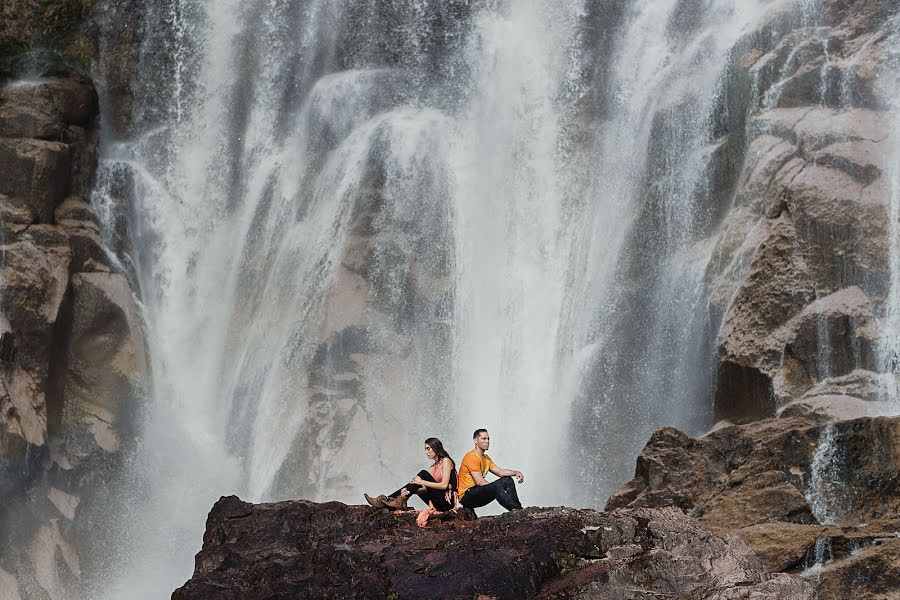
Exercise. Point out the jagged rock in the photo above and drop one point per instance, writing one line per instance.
(777, 287)
(857, 394)
(35, 273)
(757, 482)
(780, 545)
(791, 285)
(809, 219)
(699, 475)
(300, 549)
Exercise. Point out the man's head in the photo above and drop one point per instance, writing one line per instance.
(482, 439)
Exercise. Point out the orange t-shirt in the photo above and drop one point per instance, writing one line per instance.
(472, 462)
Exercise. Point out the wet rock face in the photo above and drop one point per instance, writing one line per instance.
(807, 497)
(800, 273)
(72, 356)
(301, 549)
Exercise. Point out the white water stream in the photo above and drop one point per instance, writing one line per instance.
(889, 348)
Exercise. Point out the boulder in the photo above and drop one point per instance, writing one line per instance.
(106, 361)
(300, 549)
(44, 108)
(36, 172)
(35, 274)
(82, 226)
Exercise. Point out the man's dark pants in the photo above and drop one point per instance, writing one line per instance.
(503, 491)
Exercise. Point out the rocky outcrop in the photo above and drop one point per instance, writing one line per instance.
(808, 497)
(301, 549)
(73, 363)
(800, 273)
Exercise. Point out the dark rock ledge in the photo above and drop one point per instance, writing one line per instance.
(300, 549)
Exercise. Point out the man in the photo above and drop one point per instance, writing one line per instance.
(474, 490)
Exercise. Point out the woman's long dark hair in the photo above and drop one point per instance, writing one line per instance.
(439, 451)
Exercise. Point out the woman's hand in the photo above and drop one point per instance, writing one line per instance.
(418, 480)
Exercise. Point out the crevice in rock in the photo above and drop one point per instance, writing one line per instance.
(59, 359)
(743, 393)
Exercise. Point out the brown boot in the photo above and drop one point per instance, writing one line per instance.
(398, 503)
(377, 502)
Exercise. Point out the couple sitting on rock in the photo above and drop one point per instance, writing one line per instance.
(442, 490)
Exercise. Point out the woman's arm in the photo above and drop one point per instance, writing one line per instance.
(444, 483)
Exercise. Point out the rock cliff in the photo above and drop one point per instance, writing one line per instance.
(800, 273)
(299, 549)
(73, 364)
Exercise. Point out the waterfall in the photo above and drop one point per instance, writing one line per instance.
(355, 225)
(639, 297)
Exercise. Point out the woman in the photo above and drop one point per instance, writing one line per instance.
(436, 486)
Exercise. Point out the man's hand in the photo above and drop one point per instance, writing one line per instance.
(519, 476)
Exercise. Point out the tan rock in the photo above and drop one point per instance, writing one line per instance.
(36, 172)
(835, 407)
(28, 108)
(776, 288)
(870, 573)
(755, 499)
(107, 363)
(726, 472)
(65, 503)
(736, 475)
(82, 226)
(780, 545)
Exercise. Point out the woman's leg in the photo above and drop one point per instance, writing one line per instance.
(438, 499)
(413, 488)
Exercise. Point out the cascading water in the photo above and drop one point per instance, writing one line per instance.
(358, 224)
(825, 485)
(889, 347)
(640, 301)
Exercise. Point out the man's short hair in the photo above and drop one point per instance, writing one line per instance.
(478, 432)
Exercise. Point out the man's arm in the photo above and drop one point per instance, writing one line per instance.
(501, 472)
(478, 478)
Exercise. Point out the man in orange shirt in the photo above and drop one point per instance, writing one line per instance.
(474, 489)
